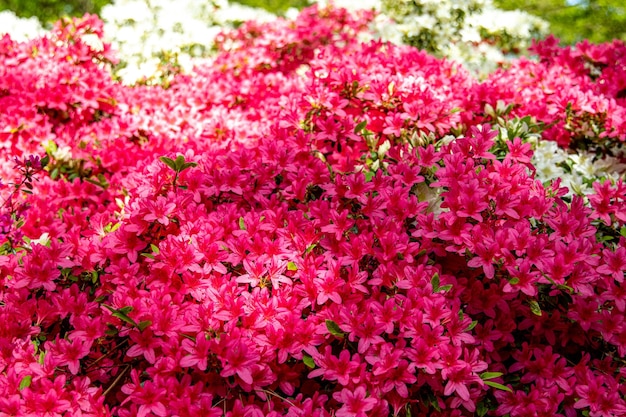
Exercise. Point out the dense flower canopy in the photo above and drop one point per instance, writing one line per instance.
(311, 225)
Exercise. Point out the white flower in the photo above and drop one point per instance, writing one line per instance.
(144, 32)
(93, 41)
(62, 154)
(43, 240)
(585, 167)
(453, 28)
(20, 29)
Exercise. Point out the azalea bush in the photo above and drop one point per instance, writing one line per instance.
(310, 225)
(157, 38)
(475, 33)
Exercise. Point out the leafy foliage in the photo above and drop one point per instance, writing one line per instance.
(574, 21)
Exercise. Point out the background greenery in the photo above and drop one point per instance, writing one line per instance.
(570, 20)
(48, 11)
(276, 6)
(575, 20)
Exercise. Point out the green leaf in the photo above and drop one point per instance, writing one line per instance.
(242, 223)
(188, 165)
(471, 326)
(111, 331)
(435, 404)
(565, 288)
(514, 281)
(25, 382)
(334, 329)
(622, 231)
(103, 181)
(481, 409)
(179, 162)
(434, 282)
(308, 361)
(444, 288)
(122, 314)
(310, 248)
(498, 386)
(168, 161)
(143, 324)
(360, 126)
(534, 308)
(490, 375)
(155, 249)
(291, 266)
(126, 310)
(50, 147)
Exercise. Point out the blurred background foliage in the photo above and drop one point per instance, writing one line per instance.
(570, 20)
(48, 11)
(276, 6)
(575, 20)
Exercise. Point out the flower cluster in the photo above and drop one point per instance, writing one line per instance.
(308, 225)
(155, 38)
(475, 33)
(20, 29)
(577, 170)
(577, 93)
(159, 38)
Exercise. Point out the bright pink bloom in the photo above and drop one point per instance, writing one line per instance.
(356, 403)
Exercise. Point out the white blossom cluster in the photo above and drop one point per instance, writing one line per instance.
(473, 32)
(577, 171)
(150, 33)
(20, 29)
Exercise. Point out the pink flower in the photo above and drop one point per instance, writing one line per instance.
(255, 273)
(238, 359)
(356, 403)
(340, 369)
(71, 352)
(144, 343)
(340, 224)
(615, 263)
(159, 210)
(149, 396)
(459, 377)
(198, 352)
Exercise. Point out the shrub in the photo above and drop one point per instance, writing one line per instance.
(306, 225)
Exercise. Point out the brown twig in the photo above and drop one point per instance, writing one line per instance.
(119, 377)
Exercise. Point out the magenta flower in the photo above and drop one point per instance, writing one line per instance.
(238, 359)
(356, 403)
(71, 352)
(159, 210)
(148, 395)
